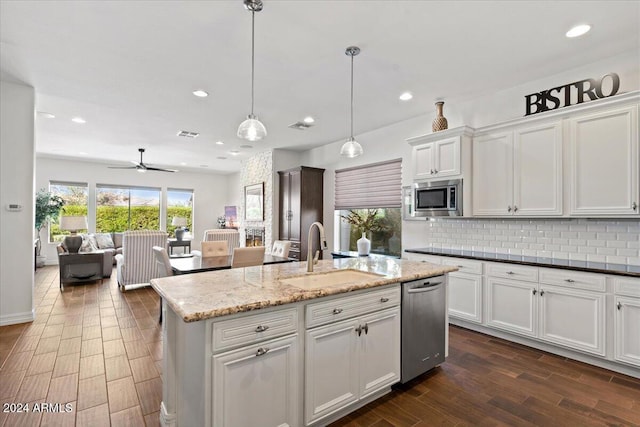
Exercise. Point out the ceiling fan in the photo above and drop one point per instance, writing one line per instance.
(141, 166)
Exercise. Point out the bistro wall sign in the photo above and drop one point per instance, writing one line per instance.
(561, 96)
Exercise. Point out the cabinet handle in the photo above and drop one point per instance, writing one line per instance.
(435, 171)
(634, 205)
(569, 280)
(515, 208)
(510, 272)
(431, 172)
(262, 351)
(541, 292)
(359, 330)
(460, 266)
(366, 328)
(508, 208)
(534, 291)
(383, 299)
(619, 305)
(337, 310)
(261, 328)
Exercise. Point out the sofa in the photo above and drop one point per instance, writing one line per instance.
(97, 241)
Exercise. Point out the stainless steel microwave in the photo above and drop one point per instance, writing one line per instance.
(435, 198)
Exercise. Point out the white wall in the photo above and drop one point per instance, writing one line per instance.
(389, 142)
(16, 186)
(211, 191)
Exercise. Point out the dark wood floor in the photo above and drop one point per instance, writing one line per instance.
(100, 350)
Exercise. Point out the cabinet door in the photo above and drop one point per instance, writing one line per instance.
(295, 183)
(604, 163)
(424, 161)
(537, 168)
(627, 336)
(512, 306)
(257, 385)
(447, 157)
(465, 297)
(331, 369)
(285, 206)
(379, 351)
(573, 318)
(493, 174)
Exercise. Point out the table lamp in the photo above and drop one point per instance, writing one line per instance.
(73, 223)
(181, 222)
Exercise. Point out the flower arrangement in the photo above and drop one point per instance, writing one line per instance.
(365, 220)
(222, 221)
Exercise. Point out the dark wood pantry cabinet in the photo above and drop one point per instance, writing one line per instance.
(301, 193)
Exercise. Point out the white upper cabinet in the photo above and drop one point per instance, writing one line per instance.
(518, 172)
(604, 161)
(437, 159)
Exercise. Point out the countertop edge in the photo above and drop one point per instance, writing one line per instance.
(522, 262)
(303, 295)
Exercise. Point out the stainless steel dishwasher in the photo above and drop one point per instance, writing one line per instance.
(423, 325)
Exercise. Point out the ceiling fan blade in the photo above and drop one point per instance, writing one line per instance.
(122, 167)
(135, 163)
(160, 169)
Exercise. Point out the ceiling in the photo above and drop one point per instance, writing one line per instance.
(129, 68)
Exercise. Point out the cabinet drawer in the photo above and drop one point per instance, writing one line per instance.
(343, 308)
(626, 286)
(573, 279)
(510, 271)
(295, 244)
(411, 256)
(294, 254)
(252, 329)
(464, 265)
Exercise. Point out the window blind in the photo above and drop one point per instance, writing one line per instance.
(377, 185)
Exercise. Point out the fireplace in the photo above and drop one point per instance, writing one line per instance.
(254, 236)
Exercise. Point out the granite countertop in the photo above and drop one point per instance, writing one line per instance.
(211, 294)
(588, 266)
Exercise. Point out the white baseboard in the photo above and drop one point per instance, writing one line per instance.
(12, 319)
(166, 419)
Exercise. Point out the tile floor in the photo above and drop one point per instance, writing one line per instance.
(91, 346)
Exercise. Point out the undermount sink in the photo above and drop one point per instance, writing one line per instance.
(333, 278)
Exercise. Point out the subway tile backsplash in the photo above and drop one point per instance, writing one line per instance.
(612, 241)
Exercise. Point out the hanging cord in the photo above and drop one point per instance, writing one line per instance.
(253, 20)
(352, 97)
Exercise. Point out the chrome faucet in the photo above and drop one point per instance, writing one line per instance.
(323, 245)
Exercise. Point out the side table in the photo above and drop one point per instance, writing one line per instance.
(80, 267)
(184, 243)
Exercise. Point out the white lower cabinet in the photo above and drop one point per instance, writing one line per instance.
(573, 318)
(350, 360)
(512, 305)
(257, 385)
(627, 320)
(465, 296)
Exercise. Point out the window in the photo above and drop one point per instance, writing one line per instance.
(75, 198)
(179, 203)
(127, 208)
(374, 191)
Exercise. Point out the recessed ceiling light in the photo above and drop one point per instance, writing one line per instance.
(183, 164)
(219, 143)
(204, 166)
(234, 152)
(221, 158)
(46, 115)
(578, 30)
(200, 93)
(406, 96)
(78, 120)
(83, 153)
(248, 147)
(308, 119)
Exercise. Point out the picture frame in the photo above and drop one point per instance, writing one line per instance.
(254, 202)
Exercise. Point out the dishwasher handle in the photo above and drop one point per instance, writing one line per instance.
(425, 287)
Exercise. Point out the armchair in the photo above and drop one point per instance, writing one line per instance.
(137, 265)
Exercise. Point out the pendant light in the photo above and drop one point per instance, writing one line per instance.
(252, 129)
(351, 148)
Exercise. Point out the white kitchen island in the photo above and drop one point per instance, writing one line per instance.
(277, 346)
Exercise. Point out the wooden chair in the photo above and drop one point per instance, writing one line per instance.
(246, 257)
(281, 248)
(215, 248)
(164, 268)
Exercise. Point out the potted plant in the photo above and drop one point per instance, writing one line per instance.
(365, 220)
(48, 206)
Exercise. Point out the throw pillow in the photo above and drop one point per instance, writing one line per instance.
(88, 244)
(104, 241)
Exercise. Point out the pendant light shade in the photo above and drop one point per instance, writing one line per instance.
(252, 129)
(351, 148)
